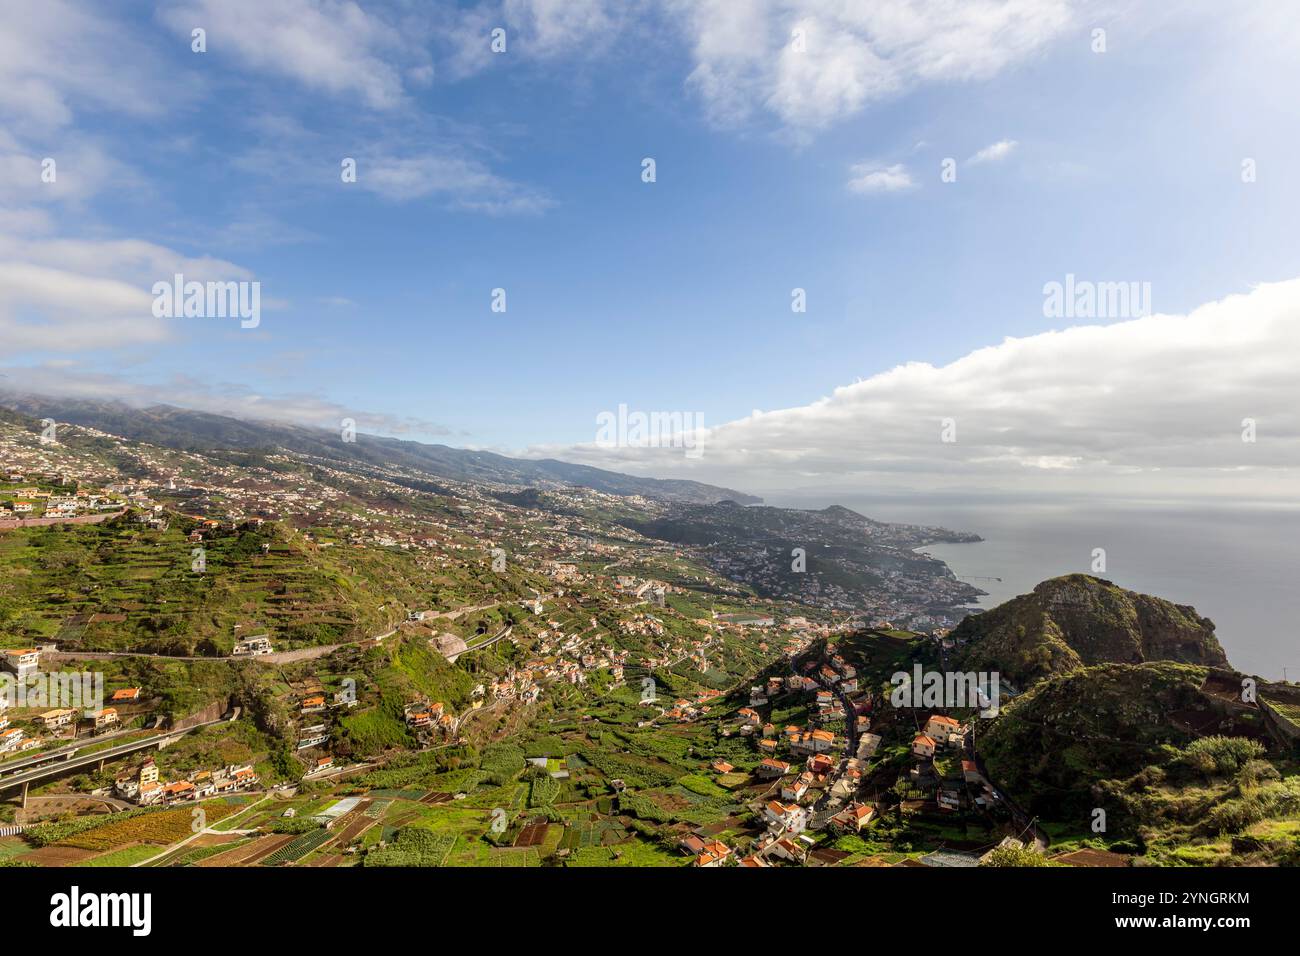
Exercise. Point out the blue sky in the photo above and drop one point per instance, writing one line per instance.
(522, 171)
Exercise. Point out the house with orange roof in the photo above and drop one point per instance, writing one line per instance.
(22, 662)
(149, 793)
(770, 769)
(820, 763)
(178, 790)
(244, 777)
(714, 854)
(59, 717)
(792, 790)
(854, 817)
(127, 695)
(786, 816)
(692, 844)
(939, 726)
(787, 849)
(923, 746)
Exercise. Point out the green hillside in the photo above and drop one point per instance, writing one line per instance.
(1079, 620)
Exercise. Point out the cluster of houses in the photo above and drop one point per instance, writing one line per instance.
(786, 838)
(430, 720)
(643, 590)
(32, 502)
(146, 789)
(684, 710)
(940, 733)
(314, 729)
(672, 652)
(642, 625)
(58, 720)
(815, 784)
(565, 659)
(563, 572)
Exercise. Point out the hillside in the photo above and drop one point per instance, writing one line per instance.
(1079, 620)
(1182, 770)
(1103, 722)
(188, 430)
(833, 554)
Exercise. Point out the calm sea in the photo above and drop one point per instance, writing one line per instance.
(1240, 566)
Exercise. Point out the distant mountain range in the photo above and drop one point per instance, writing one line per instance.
(186, 430)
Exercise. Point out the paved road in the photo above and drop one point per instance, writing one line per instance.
(109, 753)
(489, 642)
(9, 766)
(278, 657)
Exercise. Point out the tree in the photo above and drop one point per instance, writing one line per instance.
(1015, 856)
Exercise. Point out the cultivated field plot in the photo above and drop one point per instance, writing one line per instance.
(354, 829)
(160, 827)
(533, 833)
(57, 856)
(400, 794)
(299, 847)
(123, 856)
(248, 854)
(599, 832)
(203, 848)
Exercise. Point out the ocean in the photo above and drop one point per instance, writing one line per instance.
(1237, 565)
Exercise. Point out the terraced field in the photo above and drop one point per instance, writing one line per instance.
(162, 827)
(299, 847)
(120, 586)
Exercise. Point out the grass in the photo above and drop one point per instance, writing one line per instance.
(633, 853)
(126, 856)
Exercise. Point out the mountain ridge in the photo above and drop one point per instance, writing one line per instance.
(191, 430)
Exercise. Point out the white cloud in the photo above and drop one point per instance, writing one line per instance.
(745, 60)
(464, 182)
(994, 152)
(332, 46)
(80, 169)
(58, 55)
(1153, 405)
(537, 30)
(408, 162)
(68, 295)
(550, 27)
(867, 178)
(64, 379)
